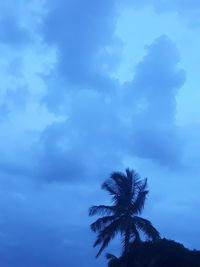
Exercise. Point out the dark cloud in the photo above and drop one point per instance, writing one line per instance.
(153, 95)
(83, 33)
(80, 30)
(87, 145)
(101, 130)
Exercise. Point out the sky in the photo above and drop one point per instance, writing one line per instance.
(89, 87)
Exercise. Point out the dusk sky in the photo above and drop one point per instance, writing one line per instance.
(88, 87)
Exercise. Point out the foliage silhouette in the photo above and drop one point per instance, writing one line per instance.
(162, 253)
(128, 193)
(113, 261)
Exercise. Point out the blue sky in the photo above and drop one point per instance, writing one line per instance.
(88, 87)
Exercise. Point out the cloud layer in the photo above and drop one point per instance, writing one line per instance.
(67, 122)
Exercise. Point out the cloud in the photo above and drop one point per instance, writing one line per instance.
(53, 159)
(152, 93)
(88, 144)
(100, 130)
(96, 122)
(83, 34)
(179, 5)
(83, 45)
(188, 10)
(11, 33)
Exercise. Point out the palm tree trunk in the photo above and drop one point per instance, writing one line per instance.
(127, 235)
(126, 242)
(126, 246)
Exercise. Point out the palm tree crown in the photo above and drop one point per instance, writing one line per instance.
(128, 193)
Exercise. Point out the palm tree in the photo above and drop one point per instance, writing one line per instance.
(128, 193)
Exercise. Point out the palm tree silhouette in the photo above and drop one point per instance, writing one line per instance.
(128, 193)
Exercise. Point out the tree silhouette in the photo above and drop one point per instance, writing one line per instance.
(128, 193)
(113, 261)
(162, 253)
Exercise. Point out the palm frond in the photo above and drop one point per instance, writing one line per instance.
(138, 204)
(124, 188)
(142, 186)
(101, 223)
(110, 256)
(130, 175)
(147, 228)
(137, 183)
(107, 234)
(109, 229)
(101, 210)
(105, 243)
(109, 187)
(119, 178)
(129, 187)
(135, 236)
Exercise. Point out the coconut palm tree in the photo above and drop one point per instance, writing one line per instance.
(128, 193)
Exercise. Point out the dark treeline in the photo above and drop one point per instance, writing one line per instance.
(161, 253)
(129, 192)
